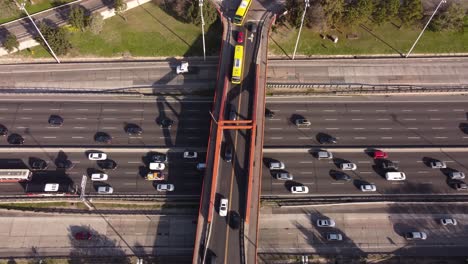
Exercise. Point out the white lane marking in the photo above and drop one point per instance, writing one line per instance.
(426, 182)
(365, 172)
(308, 161)
(358, 128)
(409, 119)
(21, 127)
(49, 137)
(51, 127)
(26, 118)
(383, 119)
(77, 137)
(54, 109)
(276, 137)
(332, 128)
(398, 183)
(337, 183)
(27, 109)
(363, 161)
(81, 118)
(138, 110)
(134, 162)
(407, 110)
(331, 119)
(355, 110)
(440, 137)
(414, 137)
(329, 110)
(109, 118)
(433, 110)
(419, 161)
(413, 128)
(301, 110)
(129, 183)
(109, 128)
(435, 119)
(357, 119)
(438, 127)
(82, 109)
(460, 118)
(273, 119)
(3, 109)
(109, 109)
(360, 137)
(386, 137)
(78, 127)
(381, 110)
(458, 110)
(305, 137)
(162, 137)
(423, 172)
(465, 137)
(306, 172)
(304, 128)
(137, 118)
(275, 128)
(135, 137)
(385, 128)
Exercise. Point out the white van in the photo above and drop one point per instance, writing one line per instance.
(201, 166)
(51, 187)
(395, 176)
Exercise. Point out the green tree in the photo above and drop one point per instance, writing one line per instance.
(10, 42)
(209, 13)
(78, 17)
(451, 19)
(294, 14)
(385, 10)
(333, 11)
(120, 6)
(96, 22)
(357, 11)
(57, 38)
(410, 11)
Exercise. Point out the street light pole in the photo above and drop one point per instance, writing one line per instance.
(306, 2)
(200, 4)
(427, 24)
(22, 6)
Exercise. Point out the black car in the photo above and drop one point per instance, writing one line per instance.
(327, 139)
(38, 165)
(235, 220)
(107, 164)
(15, 139)
(55, 120)
(166, 123)
(103, 137)
(64, 164)
(158, 157)
(133, 129)
(228, 153)
(269, 114)
(389, 165)
(3, 130)
(340, 176)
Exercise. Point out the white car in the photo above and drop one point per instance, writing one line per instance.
(159, 166)
(105, 190)
(223, 205)
(299, 189)
(51, 187)
(97, 156)
(99, 177)
(190, 155)
(325, 223)
(182, 68)
(334, 237)
(448, 221)
(368, 188)
(165, 187)
(437, 164)
(348, 166)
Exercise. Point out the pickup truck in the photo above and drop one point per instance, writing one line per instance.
(155, 176)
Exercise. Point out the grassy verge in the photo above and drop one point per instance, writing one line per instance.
(32, 9)
(371, 39)
(147, 31)
(114, 205)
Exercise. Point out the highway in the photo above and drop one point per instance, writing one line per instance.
(83, 119)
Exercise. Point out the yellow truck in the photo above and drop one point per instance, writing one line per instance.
(155, 176)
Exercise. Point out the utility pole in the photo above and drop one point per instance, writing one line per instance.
(200, 4)
(306, 2)
(22, 6)
(427, 24)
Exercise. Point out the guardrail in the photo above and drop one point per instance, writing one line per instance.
(126, 197)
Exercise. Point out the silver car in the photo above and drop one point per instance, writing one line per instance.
(325, 223)
(302, 122)
(276, 165)
(334, 237)
(437, 164)
(457, 175)
(368, 188)
(416, 236)
(448, 221)
(286, 176)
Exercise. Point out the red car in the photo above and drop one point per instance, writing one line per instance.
(83, 235)
(240, 37)
(378, 154)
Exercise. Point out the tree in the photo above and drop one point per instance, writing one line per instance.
(11, 42)
(78, 17)
(209, 13)
(120, 6)
(294, 14)
(333, 10)
(315, 17)
(357, 11)
(385, 10)
(96, 22)
(450, 19)
(57, 38)
(410, 11)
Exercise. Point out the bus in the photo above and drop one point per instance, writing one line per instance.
(237, 64)
(50, 189)
(15, 175)
(242, 12)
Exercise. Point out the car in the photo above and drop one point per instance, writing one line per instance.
(253, 27)
(105, 190)
(3, 130)
(327, 139)
(166, 123)
(99, 177)
(235, 220)
(269, 114)
(334, 237)
(340, 176)
(158, 157)
(276, 165)
(437, 164)
(448, 221)
(378, 154)
(299, 189)
(97, 156)
(38, 165)
(183, 67)
(201, 166)
(456, 175)
(107, 164)
(348, 166)
(51, 187)
(389, 165)
(159, 166)
(302, 122)
(165, 187)
(285, 176)
(323, 154)
(325, 223)
(368, 188)
(416, 236)
(83, 235)
(223, 206)
(64, 164)
(233, 114)
(228, 153)
(102, 137)
(55, 121)
(460, 186)
(240, 37)
(190, 155)
(15, 139)
(133, 129)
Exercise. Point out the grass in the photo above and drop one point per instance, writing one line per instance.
(385, 39)
(114, 205)
(147, 31)
(39, 6)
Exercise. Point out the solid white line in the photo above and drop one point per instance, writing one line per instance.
(276, 137)
(423, 172)
(465, 137)
(332, 128)
(78, 127)
(365, 172)
(135, 137)
(137, 118)
(21, 127)
(305, 172)
(304, 128)
(3, 109)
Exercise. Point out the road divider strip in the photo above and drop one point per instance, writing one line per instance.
(366, 150)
